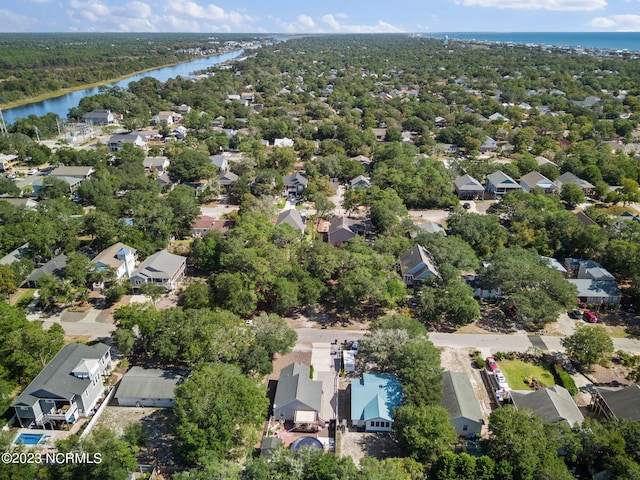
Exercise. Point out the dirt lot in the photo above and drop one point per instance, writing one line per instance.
(157, 422)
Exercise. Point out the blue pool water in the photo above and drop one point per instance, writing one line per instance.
(28, 438)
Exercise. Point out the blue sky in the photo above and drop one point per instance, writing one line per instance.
(320, 16)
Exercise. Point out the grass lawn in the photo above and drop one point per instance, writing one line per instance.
(515, 372)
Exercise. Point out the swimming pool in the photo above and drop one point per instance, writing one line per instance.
(28, 439)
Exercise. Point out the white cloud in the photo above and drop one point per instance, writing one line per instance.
(618, 23)
(13, 22)
(556, 5)
(335, 26)
(306, 22)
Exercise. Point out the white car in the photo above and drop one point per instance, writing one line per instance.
(500, 378)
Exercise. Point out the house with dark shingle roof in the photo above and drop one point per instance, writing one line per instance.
(551, 404)
(568, 177)
(498, 184)
(343, 229)
(617, 403)
(67, 388)
(56, 267)
(468, 188)
(292, 218)
(417, 265)
(149, 387)
(460, 401)
(298, 398)
(295, 183)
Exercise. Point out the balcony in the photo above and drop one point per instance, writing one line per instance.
(64, 413)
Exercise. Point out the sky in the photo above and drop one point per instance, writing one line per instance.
(319, 16)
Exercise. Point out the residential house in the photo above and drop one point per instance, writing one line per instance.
(149, 387)
(343, 229)
(220, 162)
(427, 227)
(460, 401)
(116, 142)
(15, 255)
(295, 184)
(56, 267)
(468, 188)
(69, 387)
(184, 109)
(568, 177)
(179, 132)
(169, 117)
(360, 181)
(498, 117)
(73, 176)
(544, 161)
(380, 133)
(364, 161)
(498, 184)
(489, 145)
(28, 203)
(226, 179)
(617, 403)
(594, 283)
(417, 265)
(100, 117)
(205, 224)
(373, 400)
(292, 218)
(161, 268)
(535, 180)
(551, 404)
(555, 264)
(298, 398)
(156, 165)
(441, 122)
(119, 257)
(7, 162)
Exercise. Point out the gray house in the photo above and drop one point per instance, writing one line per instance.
(568, 177)
(148, 387)
(468, 188)
(535, 180)
(460, 401)
(417, 265)
(343, 229)
(298, 398)
(617, 403)
(56, 267)
(551, 404)
(116, 142)
(293, 218)
(295, 184)
(498, 184)
(99, 117)
(161, 268)
(69, 387)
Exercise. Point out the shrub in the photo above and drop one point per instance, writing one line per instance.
(478, 360)
(563, 378)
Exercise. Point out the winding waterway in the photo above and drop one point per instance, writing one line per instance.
(60, 105)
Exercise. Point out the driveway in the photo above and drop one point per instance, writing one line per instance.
(324, 362)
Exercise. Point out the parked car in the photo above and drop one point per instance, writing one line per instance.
(575, 314)
(492, 366)
(589, 316)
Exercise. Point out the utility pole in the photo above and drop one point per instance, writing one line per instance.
(3, 125)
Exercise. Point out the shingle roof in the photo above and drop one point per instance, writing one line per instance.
(568, 177)
(153, 383)
(499, 177)
(417, 257)
(161, 264)
(466, 183)
(291, 217)
(458, 396)
(55, 266)
(295, 384)
(108, 255)
(622, 402)
(55, 380)
(552, 404)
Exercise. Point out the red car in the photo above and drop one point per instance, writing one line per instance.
(492, 366)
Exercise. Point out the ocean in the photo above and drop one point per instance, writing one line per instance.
(599, 40)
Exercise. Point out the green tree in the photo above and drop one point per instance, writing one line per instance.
(191, 165)
(571, 194)
(218, 413)
(589, 345)
(424, 432)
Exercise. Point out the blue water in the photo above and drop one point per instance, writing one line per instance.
(61, 105)
(28, 439)
(598, 40)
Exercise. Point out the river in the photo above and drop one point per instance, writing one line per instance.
(60, 105)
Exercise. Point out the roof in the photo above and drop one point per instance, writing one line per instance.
(555, 264)
(140, 382)
(458, 396)
(568, 177)
(296, 179)
(155, 162)
(588, 287)
(375, 395)
(419, 261)
(431, 227)
(501, 178)
(72, 172)
(536, 179)
(55, 380)
(15, 255)
(20, 202)
(467, 183)
(108, 256)
(622, 402)
(295, 384)
(161, 264)
(55, 266)
(552, 404)
(291, 217)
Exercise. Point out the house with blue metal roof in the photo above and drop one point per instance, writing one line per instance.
(373, 400)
